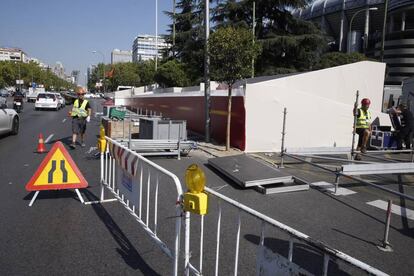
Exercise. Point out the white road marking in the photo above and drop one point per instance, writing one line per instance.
(64, 120)
(326, 186)
(48, 138)
(396, 209)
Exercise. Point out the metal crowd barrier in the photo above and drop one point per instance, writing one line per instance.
(136, 182)
(232, 235)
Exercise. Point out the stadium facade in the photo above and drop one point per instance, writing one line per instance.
(356, 26)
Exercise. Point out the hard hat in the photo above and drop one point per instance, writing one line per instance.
(365, 101)
(80, 90)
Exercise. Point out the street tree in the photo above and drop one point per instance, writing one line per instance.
(231, 53)
(336, 58)
(289, 44)
(189, 38)
(171, 74)
(123, 74)
(146, 71)
(30, 72)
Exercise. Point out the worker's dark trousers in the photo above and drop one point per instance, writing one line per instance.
(404, 134)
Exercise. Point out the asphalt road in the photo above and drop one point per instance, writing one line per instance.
(59, 235)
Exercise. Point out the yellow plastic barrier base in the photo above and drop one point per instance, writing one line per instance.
(196, 203)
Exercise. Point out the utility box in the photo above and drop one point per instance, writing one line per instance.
(162, 129)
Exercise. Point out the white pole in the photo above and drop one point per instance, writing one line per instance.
(156, 34)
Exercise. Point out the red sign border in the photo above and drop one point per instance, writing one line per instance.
(60, 186)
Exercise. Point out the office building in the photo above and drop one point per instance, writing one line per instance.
(13, 54)
(144, 47)
(89, 71)
(75, 76)
(59, 70)
(118, 56)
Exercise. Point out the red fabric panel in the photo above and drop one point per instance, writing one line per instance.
(191, 109)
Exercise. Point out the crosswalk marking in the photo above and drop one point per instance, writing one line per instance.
(396, 209)
(326, 186)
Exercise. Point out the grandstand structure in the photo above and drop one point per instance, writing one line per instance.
(356, 26)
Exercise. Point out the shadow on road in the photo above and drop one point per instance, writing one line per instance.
(50, 194)
(304, 256)
(65, 140)
(126, 250)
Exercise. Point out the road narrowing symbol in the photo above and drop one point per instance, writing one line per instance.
(57, 171)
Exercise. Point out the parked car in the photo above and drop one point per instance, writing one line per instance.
(4, 93)
(47, 100)
(9, 119)
(62, 102)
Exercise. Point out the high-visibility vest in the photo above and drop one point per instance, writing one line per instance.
(79, 111)
(363, 119)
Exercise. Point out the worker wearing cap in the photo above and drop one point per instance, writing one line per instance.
(363, 126)
(407, 126)
(81, 114)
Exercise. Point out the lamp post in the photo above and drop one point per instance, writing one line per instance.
(350, 25)
(253, 32)
(207, 71)
(156, 35)
(103, 73)
(383, 30)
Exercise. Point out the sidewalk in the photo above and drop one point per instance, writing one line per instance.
(217, 150)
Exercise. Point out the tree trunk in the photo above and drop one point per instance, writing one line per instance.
(228, 119)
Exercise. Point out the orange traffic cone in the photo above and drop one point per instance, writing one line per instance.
(41, 145)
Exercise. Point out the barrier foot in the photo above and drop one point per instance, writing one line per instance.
(33, 199)
(100, 201)
(80, 196)
(386, 247)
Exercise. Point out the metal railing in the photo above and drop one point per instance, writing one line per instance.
(330, 255)
(148, 180)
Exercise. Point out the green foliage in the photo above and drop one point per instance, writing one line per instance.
(125, 74)
(287, 42)
(9, 73)
(189, 40)
(337, 58)
(231, 52)
(146, 71)
(171, 74)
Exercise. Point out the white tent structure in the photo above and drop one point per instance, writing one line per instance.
(319, 106)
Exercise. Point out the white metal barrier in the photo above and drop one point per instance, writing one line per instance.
(136, 182)
(231, 237)
(132, 179)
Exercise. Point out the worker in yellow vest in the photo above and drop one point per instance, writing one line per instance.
(81, 114)
(363, 126)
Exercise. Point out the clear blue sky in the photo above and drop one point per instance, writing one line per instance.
(69, 30)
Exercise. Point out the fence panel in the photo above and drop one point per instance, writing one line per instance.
(150, 193)
(246, 242)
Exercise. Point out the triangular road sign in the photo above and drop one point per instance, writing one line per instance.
(56, 172)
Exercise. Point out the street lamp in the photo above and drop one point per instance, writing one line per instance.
(207, 91)
(103, 61)
(156, 34)
(350, 25)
